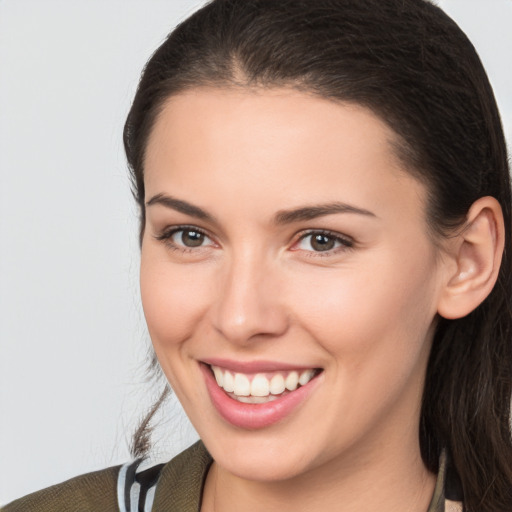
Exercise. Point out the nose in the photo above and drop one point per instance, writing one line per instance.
(248, 304)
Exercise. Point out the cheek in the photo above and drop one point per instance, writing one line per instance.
(373, 315)
(173, 299)
(376, 330)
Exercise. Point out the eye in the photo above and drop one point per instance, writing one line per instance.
(188, 238)
(185, 238)
(323, 241)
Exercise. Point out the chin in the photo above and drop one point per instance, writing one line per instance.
(262, 458)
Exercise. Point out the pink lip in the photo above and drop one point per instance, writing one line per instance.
(254, 416)
(253, 366)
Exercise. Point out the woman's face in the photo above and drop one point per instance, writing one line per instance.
(284, 241)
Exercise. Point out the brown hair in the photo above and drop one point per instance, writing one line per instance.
(412, 66)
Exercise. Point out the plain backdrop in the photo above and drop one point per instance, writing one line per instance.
(72, 336)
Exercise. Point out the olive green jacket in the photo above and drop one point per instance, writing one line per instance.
(179, 489)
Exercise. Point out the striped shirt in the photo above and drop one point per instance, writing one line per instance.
(136, 488)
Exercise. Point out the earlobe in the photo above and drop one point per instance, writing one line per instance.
(477, 251)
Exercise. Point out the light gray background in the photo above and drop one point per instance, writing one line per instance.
(72, 335)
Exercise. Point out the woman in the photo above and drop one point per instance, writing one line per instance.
(325, 273)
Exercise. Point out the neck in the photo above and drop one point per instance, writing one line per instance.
(393, 480)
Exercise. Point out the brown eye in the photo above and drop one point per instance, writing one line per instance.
(185, 238)
(189, 238)
(321, 242)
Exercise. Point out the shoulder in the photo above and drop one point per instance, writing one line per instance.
(181, 482)
(90, 492)
(175, 486)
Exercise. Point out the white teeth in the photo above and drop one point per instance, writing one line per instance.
(260, 386)
(255, 399)
(292, 381)
(218, 375)
(305, 377)
(228, 382)
(242, 385)
(277, 385)
(260, 389)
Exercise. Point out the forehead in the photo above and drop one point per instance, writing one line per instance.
(261, 114)
(274, 143)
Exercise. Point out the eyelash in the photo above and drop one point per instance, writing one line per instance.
(166, 238)
(345, 243)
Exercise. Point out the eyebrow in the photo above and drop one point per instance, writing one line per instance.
(282, 217)
(180, 206)
(312, 212)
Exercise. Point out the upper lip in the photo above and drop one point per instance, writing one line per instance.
(254, 366)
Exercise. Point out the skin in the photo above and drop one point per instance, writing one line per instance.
(257, 290)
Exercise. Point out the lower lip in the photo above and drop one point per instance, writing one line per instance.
(254, 416)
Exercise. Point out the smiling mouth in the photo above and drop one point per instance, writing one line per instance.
(260, 388)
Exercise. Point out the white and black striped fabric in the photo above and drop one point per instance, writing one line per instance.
(136, 488)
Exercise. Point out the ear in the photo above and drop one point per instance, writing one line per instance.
(474, 259)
